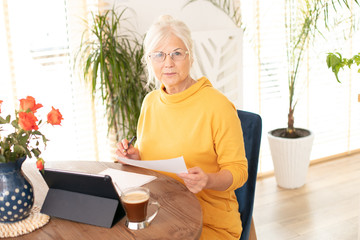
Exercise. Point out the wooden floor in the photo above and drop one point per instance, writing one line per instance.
(326, 207)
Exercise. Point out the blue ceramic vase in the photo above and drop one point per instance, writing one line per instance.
(16, 193)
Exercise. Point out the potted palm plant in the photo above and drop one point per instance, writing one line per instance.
(291, 147)
(110, 60)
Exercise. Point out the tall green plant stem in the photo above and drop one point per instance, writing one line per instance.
(299, 29)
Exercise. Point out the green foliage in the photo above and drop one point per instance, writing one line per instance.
(335, 61)
(110, 59)
(17, 144)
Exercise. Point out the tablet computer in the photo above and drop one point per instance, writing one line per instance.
(82, 197)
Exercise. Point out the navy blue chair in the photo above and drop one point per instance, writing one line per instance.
(251, 124)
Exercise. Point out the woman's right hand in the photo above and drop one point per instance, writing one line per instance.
(125, 150)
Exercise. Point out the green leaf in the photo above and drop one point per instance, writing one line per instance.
(23, 138)
(36, 132)
(19, 149)
(44, 139)
(2, 121)
(357, 59)
(338, 62)
(349, 63)
(335, 63)
(15, 124)
(36, 152)
(2, 159)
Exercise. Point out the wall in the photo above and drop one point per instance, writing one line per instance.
(199, 16)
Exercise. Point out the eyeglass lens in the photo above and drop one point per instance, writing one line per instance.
(177, 55)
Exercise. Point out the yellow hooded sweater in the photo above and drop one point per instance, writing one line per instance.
(201, 125)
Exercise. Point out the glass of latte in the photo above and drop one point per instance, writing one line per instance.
(135, 202)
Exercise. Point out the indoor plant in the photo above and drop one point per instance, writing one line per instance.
(23, 135)
(335, 61)
(20, 138)
(291, 147)
(110, 60)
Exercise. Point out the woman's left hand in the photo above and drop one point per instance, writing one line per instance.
(195, 180)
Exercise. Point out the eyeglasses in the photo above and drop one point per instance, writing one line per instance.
(176, 55)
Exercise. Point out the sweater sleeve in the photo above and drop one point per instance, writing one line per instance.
(229, 144)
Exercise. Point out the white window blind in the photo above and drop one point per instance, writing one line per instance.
(327, 108)
(37, 38)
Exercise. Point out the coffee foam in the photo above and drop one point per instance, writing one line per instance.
(135, 197)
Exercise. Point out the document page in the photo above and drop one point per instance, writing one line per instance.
(123, 179)
(173, 165)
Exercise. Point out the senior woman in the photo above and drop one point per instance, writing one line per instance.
(190, 118)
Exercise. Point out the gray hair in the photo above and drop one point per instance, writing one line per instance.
(160, 30)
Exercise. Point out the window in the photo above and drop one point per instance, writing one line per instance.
(38, 63)
(327, 108)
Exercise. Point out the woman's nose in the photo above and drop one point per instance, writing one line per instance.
(168, 60)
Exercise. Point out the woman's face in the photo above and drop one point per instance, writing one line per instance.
(173, 73)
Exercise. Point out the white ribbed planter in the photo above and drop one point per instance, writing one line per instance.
(291, 157)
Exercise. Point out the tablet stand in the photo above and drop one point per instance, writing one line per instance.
(86, 207)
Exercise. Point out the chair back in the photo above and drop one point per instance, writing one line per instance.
(251, 124)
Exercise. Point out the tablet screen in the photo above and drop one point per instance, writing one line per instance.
(86, 183)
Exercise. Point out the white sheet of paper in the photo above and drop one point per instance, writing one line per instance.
(125, 179)
(173, 165)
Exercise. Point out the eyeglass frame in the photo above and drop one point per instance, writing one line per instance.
(168, 54)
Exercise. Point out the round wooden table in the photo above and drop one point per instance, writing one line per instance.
(180, 216)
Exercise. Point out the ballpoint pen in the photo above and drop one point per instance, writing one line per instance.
(131, 141)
